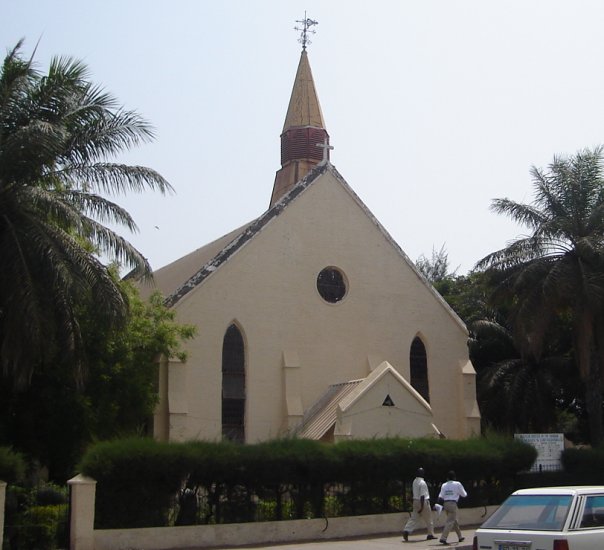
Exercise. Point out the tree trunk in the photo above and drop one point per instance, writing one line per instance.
(593, 401)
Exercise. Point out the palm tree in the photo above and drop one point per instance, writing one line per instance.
(57, 134)
(558, 270)
(517, 391)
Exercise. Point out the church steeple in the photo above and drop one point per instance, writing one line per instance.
(304, 140)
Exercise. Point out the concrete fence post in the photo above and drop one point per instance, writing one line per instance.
(2, 504)
(81, 531)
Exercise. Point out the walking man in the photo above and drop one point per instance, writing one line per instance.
(421, 507)
(449, 495)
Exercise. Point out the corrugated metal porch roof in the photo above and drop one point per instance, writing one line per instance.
(321, 417)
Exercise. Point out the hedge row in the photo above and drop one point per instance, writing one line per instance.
(140, 480)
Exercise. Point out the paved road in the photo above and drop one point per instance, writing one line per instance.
(416, 542)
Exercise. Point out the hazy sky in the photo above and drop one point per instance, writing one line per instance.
(434, 107)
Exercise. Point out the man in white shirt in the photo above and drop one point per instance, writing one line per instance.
(450, 492)
(421, 507)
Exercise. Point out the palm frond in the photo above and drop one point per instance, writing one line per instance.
(112, 178)
(58, 132)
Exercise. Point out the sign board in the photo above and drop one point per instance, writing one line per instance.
(549, 450)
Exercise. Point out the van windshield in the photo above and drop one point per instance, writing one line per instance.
(531, 512)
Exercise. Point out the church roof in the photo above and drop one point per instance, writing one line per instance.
(171, 277)
(232, 242)
(304, 108)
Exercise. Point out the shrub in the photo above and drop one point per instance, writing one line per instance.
(12, 465)
(40, 527)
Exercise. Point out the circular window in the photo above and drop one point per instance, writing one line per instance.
(331, 285)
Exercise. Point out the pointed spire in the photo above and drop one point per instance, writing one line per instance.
(304, 141)
(304, 108)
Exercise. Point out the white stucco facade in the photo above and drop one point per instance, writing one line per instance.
(296, 343)
(303, 356)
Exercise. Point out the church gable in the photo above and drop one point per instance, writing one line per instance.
(384, 405)
(212, 257)
(386, 380)
(275, 267)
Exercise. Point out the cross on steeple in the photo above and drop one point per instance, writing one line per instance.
(326, 148)
(305, 30)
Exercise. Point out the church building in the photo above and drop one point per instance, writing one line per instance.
(311, 320)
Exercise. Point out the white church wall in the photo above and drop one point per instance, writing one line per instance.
(269, 287)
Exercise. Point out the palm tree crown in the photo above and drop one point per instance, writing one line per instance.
(58, 132)
(558, 269)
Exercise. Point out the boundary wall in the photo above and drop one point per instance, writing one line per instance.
(83, 536)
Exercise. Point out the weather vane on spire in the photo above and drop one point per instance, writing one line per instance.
(305, 30)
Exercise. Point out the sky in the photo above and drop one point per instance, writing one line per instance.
(434, 107)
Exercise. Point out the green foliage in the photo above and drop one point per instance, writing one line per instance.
(12, 465)
(555, 272)
(436, 268)
(468, 295)
(53, 420)
(516, 390)
(121, 389)
(41, 527)
(57, 132)
(140, 481)
(64, 315)
(36, 517)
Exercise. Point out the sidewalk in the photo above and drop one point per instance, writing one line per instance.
(417, 541)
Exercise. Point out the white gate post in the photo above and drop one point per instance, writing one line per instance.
(2, 503)
(81, 529)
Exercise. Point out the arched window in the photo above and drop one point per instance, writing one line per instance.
(419, 368)
(233, 385)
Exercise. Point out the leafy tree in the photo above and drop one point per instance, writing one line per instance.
(558, 269)
(52, 420)
(122, 386)
(436, 268)
(57, 134)
(468, 295)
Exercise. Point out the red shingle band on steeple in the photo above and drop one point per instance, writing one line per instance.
(302, 144)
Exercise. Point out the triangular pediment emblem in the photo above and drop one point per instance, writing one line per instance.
(388, 402)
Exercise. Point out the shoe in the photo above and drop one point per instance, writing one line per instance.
(461, 539)
(406, 536)
(444, 542)
(430, 537)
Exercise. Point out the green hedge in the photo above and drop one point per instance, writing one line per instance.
(137, 480)
(12, 465)
(141, 481)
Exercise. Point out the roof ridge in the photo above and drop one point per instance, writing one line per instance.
(244, 237)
